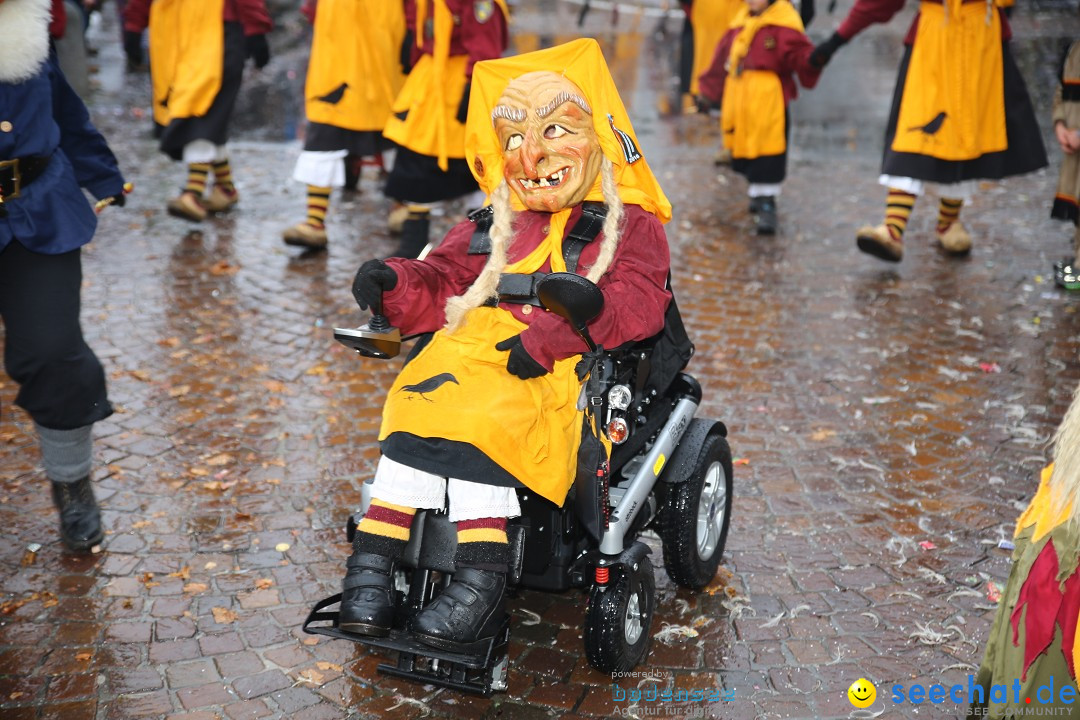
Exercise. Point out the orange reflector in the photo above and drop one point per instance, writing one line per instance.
(602, 575)
(618, 431)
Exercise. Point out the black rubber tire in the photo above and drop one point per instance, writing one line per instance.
(679, 519)
(606, 645)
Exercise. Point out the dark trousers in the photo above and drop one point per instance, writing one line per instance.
(61, 381)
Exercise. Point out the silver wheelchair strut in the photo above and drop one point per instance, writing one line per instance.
(613, 540)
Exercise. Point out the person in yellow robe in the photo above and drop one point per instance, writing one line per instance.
(752, 77)
(489, 404)
(354, 74)
(428, 117)
(960, 114)
(197, 53)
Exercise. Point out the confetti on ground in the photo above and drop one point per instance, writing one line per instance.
(670, 632)
(742, 461)
(282, 547)
(989, 367)
(1007, 545)
(927, 545)
(993, 594)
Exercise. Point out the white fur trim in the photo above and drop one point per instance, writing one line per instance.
(24, 38)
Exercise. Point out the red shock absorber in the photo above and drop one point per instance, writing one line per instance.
(602, 575)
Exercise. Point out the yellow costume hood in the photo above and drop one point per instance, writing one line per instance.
(582, 62)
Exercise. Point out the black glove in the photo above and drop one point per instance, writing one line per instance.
(372, 279)
(520, 362)
(133, 48)
(406, 51)
(118, 200)
(824, 52)
(806, 11)
(258, 50)
(704, 105)
(463, 106)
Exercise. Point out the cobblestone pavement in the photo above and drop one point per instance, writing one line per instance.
(889, 423)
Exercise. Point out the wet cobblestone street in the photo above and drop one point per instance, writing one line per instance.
(888, 424)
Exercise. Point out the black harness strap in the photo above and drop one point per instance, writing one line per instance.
(480, 243)
(584, 232)
(519, 288)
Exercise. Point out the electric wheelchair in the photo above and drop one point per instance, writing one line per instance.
(668, 470)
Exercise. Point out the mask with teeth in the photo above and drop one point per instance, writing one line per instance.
(550, 150)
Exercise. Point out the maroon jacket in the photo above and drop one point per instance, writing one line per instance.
(867, 12)
(634, 287)
(251, 14)
(781, 50)
(479, 40)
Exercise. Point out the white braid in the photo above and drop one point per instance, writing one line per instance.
(611, 222)
(487, 284)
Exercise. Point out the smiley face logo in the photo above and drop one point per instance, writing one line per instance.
(862, 693)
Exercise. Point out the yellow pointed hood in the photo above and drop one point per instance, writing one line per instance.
(582, 62)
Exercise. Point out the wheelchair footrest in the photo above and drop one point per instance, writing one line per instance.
(483, 671)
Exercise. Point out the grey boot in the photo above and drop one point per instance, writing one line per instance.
(80, 517)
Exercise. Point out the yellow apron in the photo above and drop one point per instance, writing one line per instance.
(752, 116)
(431, 122)
(710, 20)
(953, 103)
(433, 90)
(187, 56)
(457, 388)
(356, 44)
(752, 112)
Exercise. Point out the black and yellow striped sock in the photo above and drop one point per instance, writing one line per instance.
(482, 544)
(897, 211)
(196, 181)
(948, 213)
(384, 529)
(223, 176)
(318, 203)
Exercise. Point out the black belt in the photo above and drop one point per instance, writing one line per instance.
(17, 174)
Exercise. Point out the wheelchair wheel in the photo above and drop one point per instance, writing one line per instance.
(696, 517)
(619, 618)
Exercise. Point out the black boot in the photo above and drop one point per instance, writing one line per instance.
(80, 518)
(414, 234)
(367, 595)
(765, 215)
(471, 608)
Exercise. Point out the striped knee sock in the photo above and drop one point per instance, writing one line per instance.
(223, 176)
(897, 212)
(318, 202)
(384, 530)
(948, 213)
(197, 174)
(482, 544)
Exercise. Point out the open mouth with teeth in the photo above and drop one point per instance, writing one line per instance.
(555, 179)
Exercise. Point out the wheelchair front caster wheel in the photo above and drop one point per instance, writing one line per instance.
(618, 619)
(696, 515)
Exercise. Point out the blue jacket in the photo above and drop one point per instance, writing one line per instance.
(46, 117)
